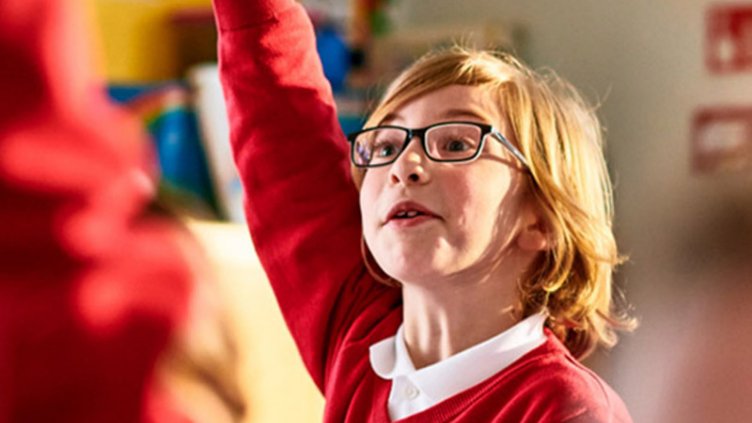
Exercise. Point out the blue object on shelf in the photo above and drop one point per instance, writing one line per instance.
(334, 54)
(171, 122)
(350, 123)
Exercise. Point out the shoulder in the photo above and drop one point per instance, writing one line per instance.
(560, 389)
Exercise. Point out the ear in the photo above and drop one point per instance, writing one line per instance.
(534, 235)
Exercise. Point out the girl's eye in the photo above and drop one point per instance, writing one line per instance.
(457, 145)
(384, 149)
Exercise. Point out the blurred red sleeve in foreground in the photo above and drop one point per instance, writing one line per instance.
(91, 286)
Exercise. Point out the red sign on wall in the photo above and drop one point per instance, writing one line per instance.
(729, 38)
(722, 139)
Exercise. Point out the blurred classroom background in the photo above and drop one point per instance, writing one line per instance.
(673, 81)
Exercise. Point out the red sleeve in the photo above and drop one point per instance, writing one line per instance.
(302, 207)
(90, 287)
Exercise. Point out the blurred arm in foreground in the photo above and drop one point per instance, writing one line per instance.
(93, 284)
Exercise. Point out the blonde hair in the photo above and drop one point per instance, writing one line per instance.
(560, 136)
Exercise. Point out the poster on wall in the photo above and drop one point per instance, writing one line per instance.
(728, 35)
(721, 139)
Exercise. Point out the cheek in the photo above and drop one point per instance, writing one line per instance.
(477, 196)
(481, 202)
(369, 193)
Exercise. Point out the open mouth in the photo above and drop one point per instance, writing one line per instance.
(409, 213)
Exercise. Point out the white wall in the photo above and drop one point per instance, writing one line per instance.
(644, 60)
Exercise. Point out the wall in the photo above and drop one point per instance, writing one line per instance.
(643, 60)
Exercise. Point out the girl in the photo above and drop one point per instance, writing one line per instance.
(470, 268)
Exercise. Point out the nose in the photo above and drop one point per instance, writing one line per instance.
(410, 167)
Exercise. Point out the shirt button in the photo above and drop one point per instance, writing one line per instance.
(411, 392)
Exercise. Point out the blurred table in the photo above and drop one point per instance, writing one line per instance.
(272, 376)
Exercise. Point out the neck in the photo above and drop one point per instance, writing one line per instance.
(442, 318)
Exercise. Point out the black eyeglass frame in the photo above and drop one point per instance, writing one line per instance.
(411, 133)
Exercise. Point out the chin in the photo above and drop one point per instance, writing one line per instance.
(410, 262)
(410, 271)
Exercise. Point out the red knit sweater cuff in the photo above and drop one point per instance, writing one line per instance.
(237, 14)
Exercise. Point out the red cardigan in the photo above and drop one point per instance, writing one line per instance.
(302, 210)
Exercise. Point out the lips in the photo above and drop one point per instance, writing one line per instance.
(409, 211)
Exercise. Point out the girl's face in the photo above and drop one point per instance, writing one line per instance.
(468, 214)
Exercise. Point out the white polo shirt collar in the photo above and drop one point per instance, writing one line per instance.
(416, 390)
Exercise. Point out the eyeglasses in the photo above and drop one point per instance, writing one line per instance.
(442, 142)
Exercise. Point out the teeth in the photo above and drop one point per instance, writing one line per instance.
(407, 214)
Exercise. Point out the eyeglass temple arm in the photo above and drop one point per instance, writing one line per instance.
(512, 149)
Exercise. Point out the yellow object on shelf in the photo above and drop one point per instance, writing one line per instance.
(137, 38)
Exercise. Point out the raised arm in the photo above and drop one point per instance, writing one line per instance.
(301, 205)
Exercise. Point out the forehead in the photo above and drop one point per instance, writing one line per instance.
(453, 102)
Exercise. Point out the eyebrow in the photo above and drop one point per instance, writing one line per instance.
(448, 114)
(465, 113)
